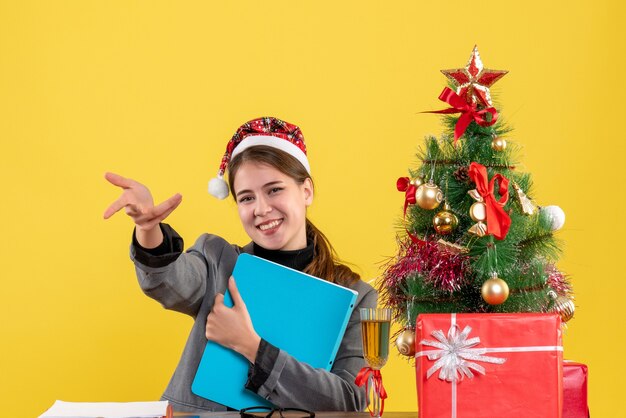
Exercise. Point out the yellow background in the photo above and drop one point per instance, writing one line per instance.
(154, 89)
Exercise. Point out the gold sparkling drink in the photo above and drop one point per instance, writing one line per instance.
(375, 327)
(375, 342)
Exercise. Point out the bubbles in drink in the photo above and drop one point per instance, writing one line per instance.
(375, 342)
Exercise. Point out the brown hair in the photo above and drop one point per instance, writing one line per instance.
(326, 264)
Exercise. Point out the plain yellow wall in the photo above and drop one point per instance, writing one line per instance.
(154, 89)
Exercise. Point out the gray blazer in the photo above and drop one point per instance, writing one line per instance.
(188, 282)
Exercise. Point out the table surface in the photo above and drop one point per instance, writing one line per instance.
(412, 414)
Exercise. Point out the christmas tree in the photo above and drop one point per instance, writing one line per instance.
(472, 238)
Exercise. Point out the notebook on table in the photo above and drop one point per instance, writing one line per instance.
(298, 313)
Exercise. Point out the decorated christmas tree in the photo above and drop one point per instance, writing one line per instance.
(472, 238)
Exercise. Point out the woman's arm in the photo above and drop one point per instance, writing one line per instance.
(176, 279)
(165, 273)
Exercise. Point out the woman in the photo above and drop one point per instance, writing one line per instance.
(269, 177)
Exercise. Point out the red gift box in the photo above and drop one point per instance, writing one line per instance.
(575, 390)
(489, 365)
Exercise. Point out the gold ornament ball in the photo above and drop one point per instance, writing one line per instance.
(498, 144)
(405, 343)
(565, 307)
(417, 181)
(445, 222)
(428, 196)
(495, 291)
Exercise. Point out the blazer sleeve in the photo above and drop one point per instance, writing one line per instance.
(176, 279)
(291, 383)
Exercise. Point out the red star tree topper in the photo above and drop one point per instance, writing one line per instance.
(473, 81)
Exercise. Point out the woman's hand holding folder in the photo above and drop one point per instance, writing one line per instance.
(232, 327)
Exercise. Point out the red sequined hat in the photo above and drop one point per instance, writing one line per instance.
(268, 131)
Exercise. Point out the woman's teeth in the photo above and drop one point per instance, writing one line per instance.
(273, 224)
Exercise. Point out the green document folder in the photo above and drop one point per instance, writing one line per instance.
(298, 313)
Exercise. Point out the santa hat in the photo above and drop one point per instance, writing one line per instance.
(267, 131)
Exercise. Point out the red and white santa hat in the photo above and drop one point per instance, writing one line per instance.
(268, 131)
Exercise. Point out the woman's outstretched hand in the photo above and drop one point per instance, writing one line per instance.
(232, 327)
(137, 202)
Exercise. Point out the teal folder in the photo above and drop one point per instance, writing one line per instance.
(298, 313)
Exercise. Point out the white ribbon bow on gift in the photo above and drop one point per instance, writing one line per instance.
(456, 358)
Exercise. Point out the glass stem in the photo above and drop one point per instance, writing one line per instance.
(375, 398)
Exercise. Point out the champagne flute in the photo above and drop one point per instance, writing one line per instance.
(375, 327)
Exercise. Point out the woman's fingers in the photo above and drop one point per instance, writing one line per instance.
(219, 301)
(167, 212)
(135, 211)
(232, 327)
(149, 219)
(135, 198)
(118, 180)
(167, 206)
(234, 293)
(138, 204)
(122, 201)
(115, 206)
(154, 221)
(127, 201)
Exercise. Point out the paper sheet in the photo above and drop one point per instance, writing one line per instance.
(62, 409)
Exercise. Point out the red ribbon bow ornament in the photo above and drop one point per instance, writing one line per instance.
(498, 220)
(469, 112)
(404, 185)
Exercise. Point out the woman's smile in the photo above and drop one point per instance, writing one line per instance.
(270, 226)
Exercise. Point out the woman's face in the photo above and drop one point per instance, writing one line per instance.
(272, 206)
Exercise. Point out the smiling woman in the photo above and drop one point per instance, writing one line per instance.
(272, 205)
(269, 177)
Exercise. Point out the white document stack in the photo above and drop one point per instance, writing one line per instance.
(62, 409)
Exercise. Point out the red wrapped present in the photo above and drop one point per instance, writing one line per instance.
(489, 365)
(575, 390)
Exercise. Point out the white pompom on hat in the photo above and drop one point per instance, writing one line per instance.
(267, 131)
